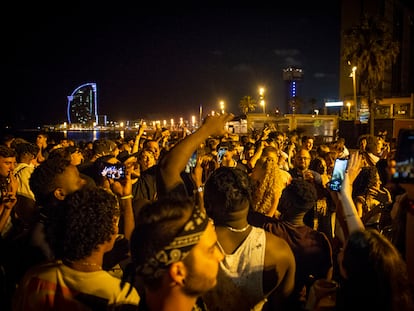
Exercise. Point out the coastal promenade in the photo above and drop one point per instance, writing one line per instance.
(76, 135)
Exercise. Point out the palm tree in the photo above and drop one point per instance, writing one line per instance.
(369, 47)
(247, 104)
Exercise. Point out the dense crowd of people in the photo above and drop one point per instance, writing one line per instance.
(209, 220)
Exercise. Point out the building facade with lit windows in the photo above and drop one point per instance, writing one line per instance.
(397, 91)
(292, 77)
(82, 106)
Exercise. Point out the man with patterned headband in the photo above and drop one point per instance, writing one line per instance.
(175, 255)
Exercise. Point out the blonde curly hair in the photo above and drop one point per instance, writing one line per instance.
(267, 188)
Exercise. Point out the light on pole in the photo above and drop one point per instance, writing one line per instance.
(348, 104)
(354, 85)
(222, 106)
(261, 97)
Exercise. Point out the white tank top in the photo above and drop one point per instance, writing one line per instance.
(240, 277)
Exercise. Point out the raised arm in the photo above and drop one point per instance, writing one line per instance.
(173, 162)
(257, 154)
(141, 131)
(347, 212)
(123, 189)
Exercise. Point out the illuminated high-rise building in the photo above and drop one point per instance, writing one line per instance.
(292, 77)
(83, 105)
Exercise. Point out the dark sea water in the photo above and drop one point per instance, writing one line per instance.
(77, 136)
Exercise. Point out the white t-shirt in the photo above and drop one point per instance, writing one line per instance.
(59, 287)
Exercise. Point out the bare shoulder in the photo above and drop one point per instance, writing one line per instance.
(278, 249)
(279, 258)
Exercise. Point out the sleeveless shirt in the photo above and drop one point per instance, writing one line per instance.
(240, 277)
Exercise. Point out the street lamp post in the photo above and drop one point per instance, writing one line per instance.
(262, 101)
(222, 107)
(355, 97)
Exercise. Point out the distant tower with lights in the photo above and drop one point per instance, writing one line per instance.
(292, 77)
(83, 105)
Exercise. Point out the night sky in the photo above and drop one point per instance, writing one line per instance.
(162, 64)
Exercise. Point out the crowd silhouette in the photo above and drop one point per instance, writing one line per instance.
(208, 220)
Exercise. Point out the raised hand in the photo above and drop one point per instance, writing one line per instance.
(215, 125)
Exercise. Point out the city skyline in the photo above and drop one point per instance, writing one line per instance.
(152, 65)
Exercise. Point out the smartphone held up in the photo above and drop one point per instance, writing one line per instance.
(220, 154)
(338, 174)
(113, 171)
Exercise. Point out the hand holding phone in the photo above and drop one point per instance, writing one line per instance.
(114, 171)
(338, 174)
(220, 154)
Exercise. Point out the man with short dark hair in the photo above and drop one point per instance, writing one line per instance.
(257, 265)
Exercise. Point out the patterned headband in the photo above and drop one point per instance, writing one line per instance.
(178, 249)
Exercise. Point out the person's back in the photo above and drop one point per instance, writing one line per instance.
(63, 288)
(100, 148)
(311, 248)
(301, 170)
(374, 275)
(268, 182)
(372, 200)
(256, 264)
(50, 181)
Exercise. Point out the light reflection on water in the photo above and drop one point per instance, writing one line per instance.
(77, 136)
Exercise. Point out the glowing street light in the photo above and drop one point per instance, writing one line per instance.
(353, 75)
(222, 106)
(261, 97)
